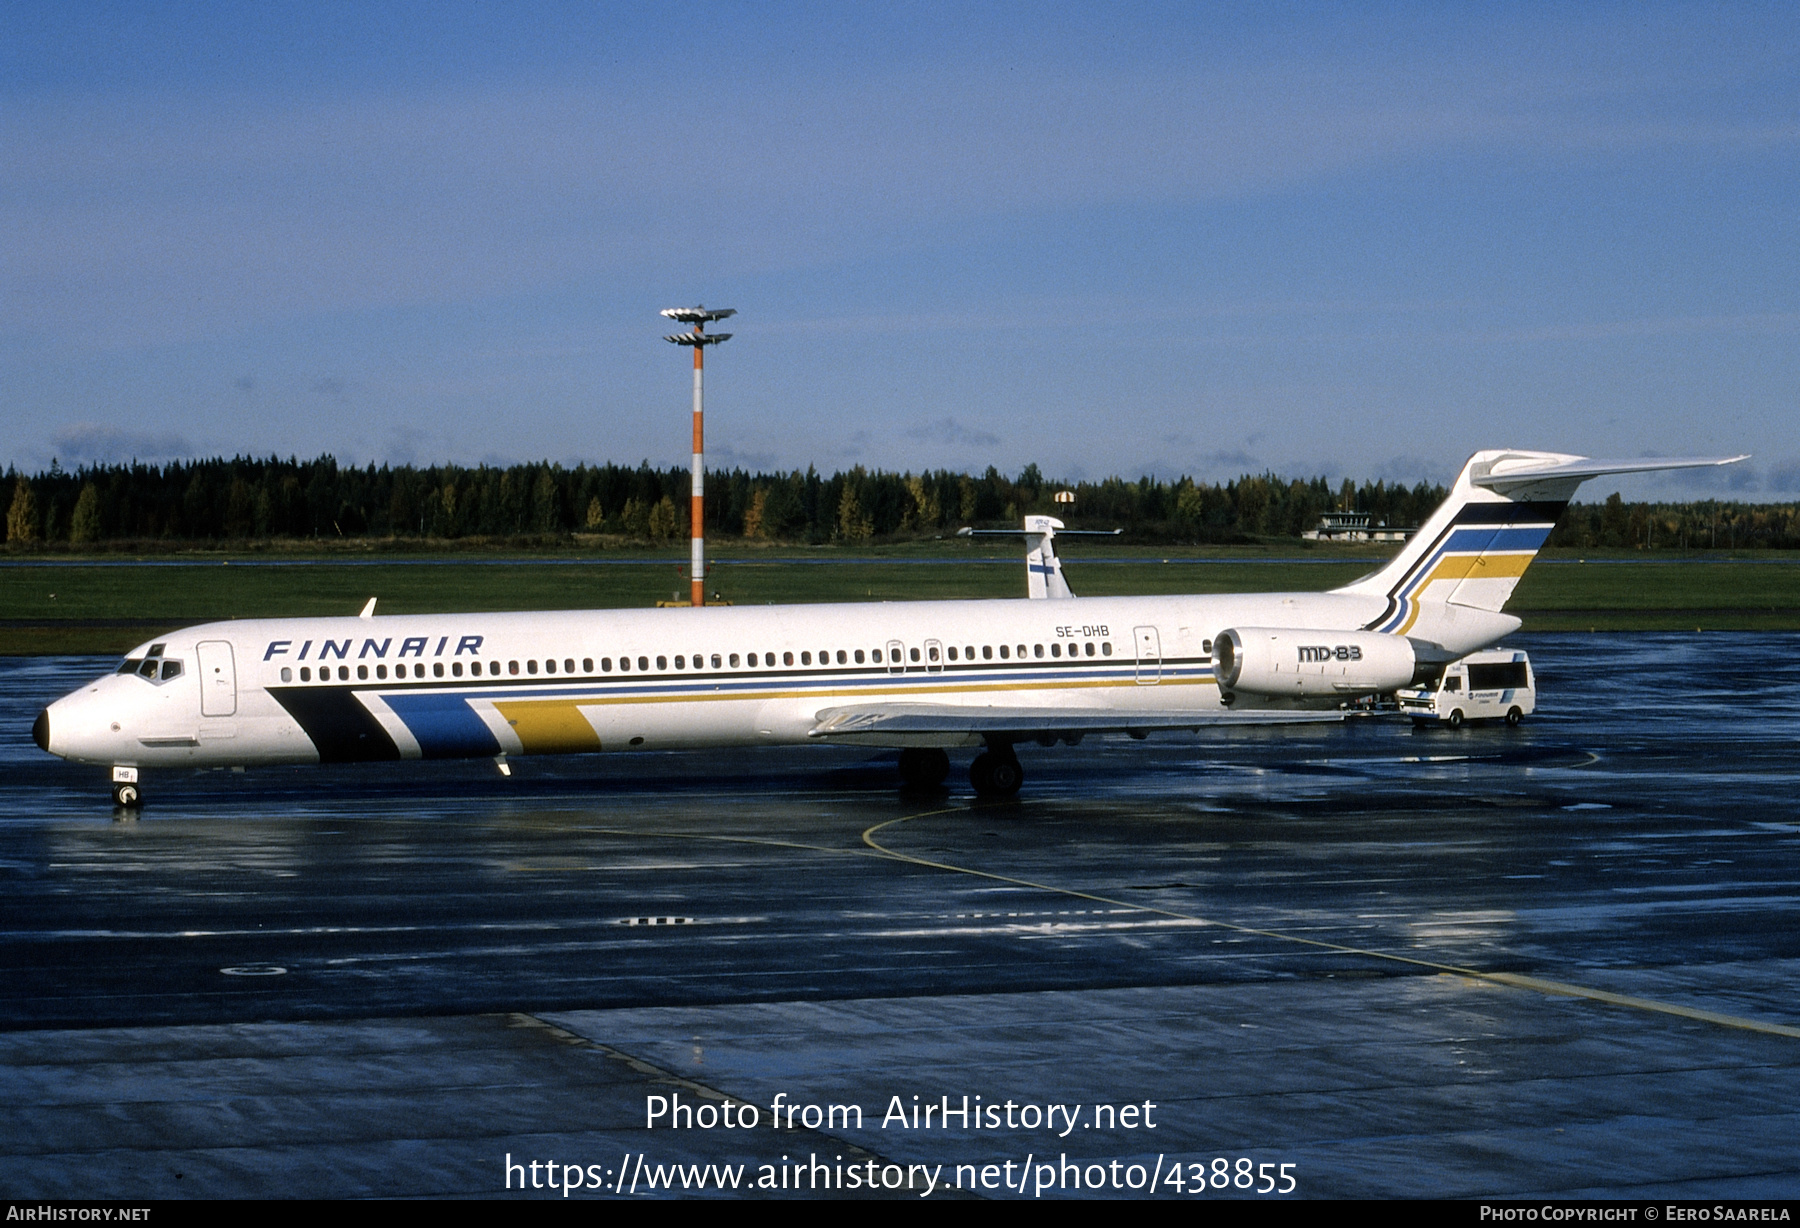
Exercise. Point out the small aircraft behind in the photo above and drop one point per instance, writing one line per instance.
(922, 677)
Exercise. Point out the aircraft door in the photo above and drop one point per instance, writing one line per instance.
(896, 657)
(1149, 656)
(934, 656)
(218, 678)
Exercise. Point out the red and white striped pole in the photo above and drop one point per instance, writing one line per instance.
(699, 339)
(698, 530)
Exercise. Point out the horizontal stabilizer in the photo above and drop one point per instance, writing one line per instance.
(954, 719)
(1515, 473)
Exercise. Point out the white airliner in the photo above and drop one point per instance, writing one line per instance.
(919, 676)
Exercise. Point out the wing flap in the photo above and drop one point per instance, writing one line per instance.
(964, 720)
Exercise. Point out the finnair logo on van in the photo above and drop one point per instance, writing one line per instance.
(419, 646)
(1323, 652)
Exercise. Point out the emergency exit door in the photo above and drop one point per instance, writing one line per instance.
(1149, 656)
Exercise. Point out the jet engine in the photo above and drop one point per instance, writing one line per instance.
(1306, 663)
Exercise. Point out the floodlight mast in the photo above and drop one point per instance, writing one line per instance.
(699, 317)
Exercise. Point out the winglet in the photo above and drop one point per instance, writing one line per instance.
(368, 611)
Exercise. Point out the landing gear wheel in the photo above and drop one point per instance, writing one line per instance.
(126, 796)
(1456, 718)
(1513, 715)
(996, 775)
(924, 766)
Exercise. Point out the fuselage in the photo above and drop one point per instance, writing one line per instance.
(266, 691)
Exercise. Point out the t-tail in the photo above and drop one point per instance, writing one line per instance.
(1043, 569)
(1470, 554)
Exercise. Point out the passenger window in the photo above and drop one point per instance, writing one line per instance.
(306, 673)
(952, 651)
(1090, 648)
(362, 673)
(1056, 650)
(969, 653)
(530, 667)
(987, 652)
(806, 658)
(287, 675)
(1106, 649)
(381, 672)
(787, 658)
(606, 665)
(680, 662)
(769, 658)
(1005, 653)
(587, 665)
(661, 663)
(1037, 650)
(715, 661)
(913, 653)
(733, 660)
(841, 659)
(568, 666)
(643, 663)
(550, 666)
(859, 656)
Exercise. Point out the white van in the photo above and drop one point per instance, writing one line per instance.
(1481, 686)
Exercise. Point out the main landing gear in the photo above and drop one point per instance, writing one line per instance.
(996, 772)
(923, 767)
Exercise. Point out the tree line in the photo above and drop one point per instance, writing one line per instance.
(248, 499)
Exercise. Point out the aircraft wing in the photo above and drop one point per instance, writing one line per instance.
(962, 720)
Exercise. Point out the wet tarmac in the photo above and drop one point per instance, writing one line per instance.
(1560, 958)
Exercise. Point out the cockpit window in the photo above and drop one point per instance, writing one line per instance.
(153, 668)
(156, 650)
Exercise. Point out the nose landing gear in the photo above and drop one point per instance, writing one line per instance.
(125, 791)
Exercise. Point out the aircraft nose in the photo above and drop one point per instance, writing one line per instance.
(40, 730)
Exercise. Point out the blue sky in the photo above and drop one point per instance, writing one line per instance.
(1352, 240)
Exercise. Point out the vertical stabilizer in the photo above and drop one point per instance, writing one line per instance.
(1471, 553)
(1474, 548)
(1043, 570)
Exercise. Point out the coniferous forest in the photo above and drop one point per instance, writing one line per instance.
(242, 500)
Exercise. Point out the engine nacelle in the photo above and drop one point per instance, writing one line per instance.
(1306, 663)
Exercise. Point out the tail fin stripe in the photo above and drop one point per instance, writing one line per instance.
(1514, 530)
(1542, 511)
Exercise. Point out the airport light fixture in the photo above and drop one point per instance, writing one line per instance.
(699, 338)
